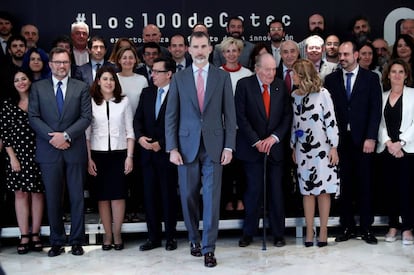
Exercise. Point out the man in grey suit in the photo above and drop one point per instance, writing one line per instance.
(200, 126)
(59, 113)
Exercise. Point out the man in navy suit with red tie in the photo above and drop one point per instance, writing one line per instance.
(264, 116)
(159, 174)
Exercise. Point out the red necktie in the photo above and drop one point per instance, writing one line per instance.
(266, 99)
(288, 81)
(200, 89)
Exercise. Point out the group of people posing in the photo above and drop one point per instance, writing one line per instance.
(197, 115)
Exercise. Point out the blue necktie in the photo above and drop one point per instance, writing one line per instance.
(158, 103)
(348, 84)
(179, 67)
(59, 98)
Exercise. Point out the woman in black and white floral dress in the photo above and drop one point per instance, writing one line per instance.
(314, 141)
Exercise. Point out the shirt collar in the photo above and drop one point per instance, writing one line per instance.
(64, 81)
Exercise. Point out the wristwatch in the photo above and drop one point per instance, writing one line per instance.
(66, 137)
(402, 142)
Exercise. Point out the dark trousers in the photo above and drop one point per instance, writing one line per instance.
(398, 187)
(356, 170)
(253, 197)
(160, 196)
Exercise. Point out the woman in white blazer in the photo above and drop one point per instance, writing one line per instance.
(396, 148)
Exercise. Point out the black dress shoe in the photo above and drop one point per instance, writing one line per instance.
(369, 238)
(77, 250)
(107, 247)
(148, 245)
(210, 260)
(195, 249)
(55, 250)
(245, 241)
(119, 246)
(346, 235)
(171, 245)
(308, 244)
(322, 244)
(279, 242)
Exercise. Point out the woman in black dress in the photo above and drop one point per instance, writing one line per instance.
(110, 139)
(22, 173)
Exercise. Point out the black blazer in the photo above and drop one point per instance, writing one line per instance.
(145, 123)
(84, 72)
(363, 111)
(143, 71)
(252, 121)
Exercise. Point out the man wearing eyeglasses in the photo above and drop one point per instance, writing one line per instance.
(276, 34)
(150, 51)
(159, 174)
(59, 113)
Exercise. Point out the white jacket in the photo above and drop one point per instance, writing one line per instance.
(118, 127)
(407, 122)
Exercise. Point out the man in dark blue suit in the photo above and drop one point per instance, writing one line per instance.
(263, 131)
(356, 94)
(97, 49)
(59, 112)
(150, 51)
(200, 131)
(159, 174)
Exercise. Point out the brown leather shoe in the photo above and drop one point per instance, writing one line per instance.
(210, 260)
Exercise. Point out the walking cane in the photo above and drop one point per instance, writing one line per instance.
(264, 201)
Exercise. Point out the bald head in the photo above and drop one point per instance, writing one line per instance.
(151, 33)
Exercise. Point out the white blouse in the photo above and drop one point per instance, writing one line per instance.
(113, 131)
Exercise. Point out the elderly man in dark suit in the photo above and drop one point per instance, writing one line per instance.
(97, 49)
(159, 174)
(59, 113)
(356, 94)
(264, 116)
(200, 130)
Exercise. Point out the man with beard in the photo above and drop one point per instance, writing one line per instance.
(360, 30)
(276, 34)
(16, 47)
(31, 33)
(234, 29)
(316, 25)
(200, 135)
(6, 27)
(383, 52)
(331, 49)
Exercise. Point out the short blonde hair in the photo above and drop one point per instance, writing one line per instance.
(228, 41)
(309, 80)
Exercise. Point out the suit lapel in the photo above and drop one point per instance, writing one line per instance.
(189, 82)
(258, 97)
(51, 97)
(211, 85)
(274, 97)
(68, 96)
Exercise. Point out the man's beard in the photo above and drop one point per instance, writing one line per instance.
(277, 38)
(361, 38)
(318, 31)
(236, 35)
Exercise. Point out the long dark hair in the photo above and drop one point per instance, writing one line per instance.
(14, 96)
(95, 90)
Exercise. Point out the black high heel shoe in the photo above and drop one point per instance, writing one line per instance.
(36, 245)
(308, 244)
(322, 244)
(23, 248)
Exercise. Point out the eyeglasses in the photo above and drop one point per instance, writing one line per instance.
(158, 72)
(276, 29)
(57, 62)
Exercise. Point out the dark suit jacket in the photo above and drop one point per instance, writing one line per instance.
(143, 71)
(185, 125)
(145, 123)
(252, 121)
(44, 118)
(84, 72)
(363, 111)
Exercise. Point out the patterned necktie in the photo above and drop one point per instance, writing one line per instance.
(266, 99)
(348, 84)
(288, 81)
(200, 89)
(158, 103)
(59, 98)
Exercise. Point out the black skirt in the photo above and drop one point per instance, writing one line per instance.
(110, 183)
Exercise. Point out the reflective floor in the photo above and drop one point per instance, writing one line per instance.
(351, 257)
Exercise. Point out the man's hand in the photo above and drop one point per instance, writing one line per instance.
(175, 157)
(226, 157)
(58, 141)
(369, 146)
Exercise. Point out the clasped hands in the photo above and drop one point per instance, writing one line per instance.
(58, 141)
(394, 148)
(264, 146)
(147, 144)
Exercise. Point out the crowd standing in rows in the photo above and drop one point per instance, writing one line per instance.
(227, 122)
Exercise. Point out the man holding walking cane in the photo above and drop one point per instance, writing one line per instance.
(264, 117)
